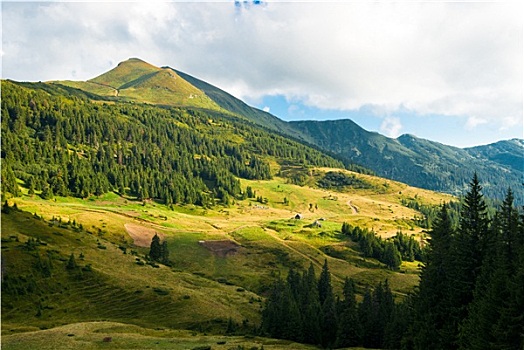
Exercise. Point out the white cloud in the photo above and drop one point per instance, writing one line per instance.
(447, 58)
(391, 126)
(266, 109)
(473, 122)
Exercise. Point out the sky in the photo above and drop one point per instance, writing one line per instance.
(447, 71)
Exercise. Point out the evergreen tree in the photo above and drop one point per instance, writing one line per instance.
(493, 293)
(290, 323)
(311, 307)
(431, 303)
(348, 333)
(468, 251)
(9, 184)
(329, 322)
(391, 256)
(155, 251)
(71, 263)
(366, 313)
(325, 289)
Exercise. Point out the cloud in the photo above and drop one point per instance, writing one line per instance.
(473, 122)
(266, 109)
(447, 58)
(391, 126)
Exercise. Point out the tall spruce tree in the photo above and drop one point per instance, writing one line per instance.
(431, 325)
(324, 283)
(155, 251)
(486, 325)
(327, 302)
(348, 333)
(468, 252)
(310, 306)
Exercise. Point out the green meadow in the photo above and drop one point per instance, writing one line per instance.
(223, 262)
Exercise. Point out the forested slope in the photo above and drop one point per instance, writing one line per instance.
(422, 163)
(59, 141)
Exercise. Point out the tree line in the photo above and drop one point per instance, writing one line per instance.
(470, 296)
(390, 252)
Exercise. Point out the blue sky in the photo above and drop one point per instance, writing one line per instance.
(449, 130)
(448, 71)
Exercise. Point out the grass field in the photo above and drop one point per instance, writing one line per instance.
(223, 261)
(91, 336)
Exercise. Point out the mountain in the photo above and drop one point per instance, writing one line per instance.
(87, 182)
(508, 153)
(421, 162)
(139, 81)
(238, 107)
(94, 172)
(409, 159)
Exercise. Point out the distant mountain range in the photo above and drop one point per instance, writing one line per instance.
(415, 161)
(423, 163)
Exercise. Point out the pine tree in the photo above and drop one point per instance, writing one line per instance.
(329, 322)
(155, 251)
(366, 311)
(348, 333)
(310, 306)
(391, 256)
(492, 294)
(324, 284)
(468, 252)
(291, 324)
(71, 263)
(431, 302)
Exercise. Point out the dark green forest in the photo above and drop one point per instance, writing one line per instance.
(60, 142)
(391, 252)
(471, 292)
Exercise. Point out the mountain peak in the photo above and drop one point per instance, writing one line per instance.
(125, 72)
(133, 59)
(139, 81)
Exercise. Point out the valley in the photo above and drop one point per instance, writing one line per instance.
(203, 287)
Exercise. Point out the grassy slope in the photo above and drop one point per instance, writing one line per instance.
(136, 80)
(203, 287)
(89, 336)
(116, 289)
(234, 105)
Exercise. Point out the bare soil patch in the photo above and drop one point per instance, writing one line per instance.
(221, 248)
(141, 235)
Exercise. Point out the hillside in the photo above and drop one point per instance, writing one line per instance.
(418, 162)
(507, 153)
(245, 217)
(262, 240)
(93, 180)
(136, 80)
(421, 162)
(238, 107)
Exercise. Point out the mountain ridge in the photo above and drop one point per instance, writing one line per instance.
(420, 162)
(408, 158)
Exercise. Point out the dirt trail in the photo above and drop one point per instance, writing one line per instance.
(354, 208)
